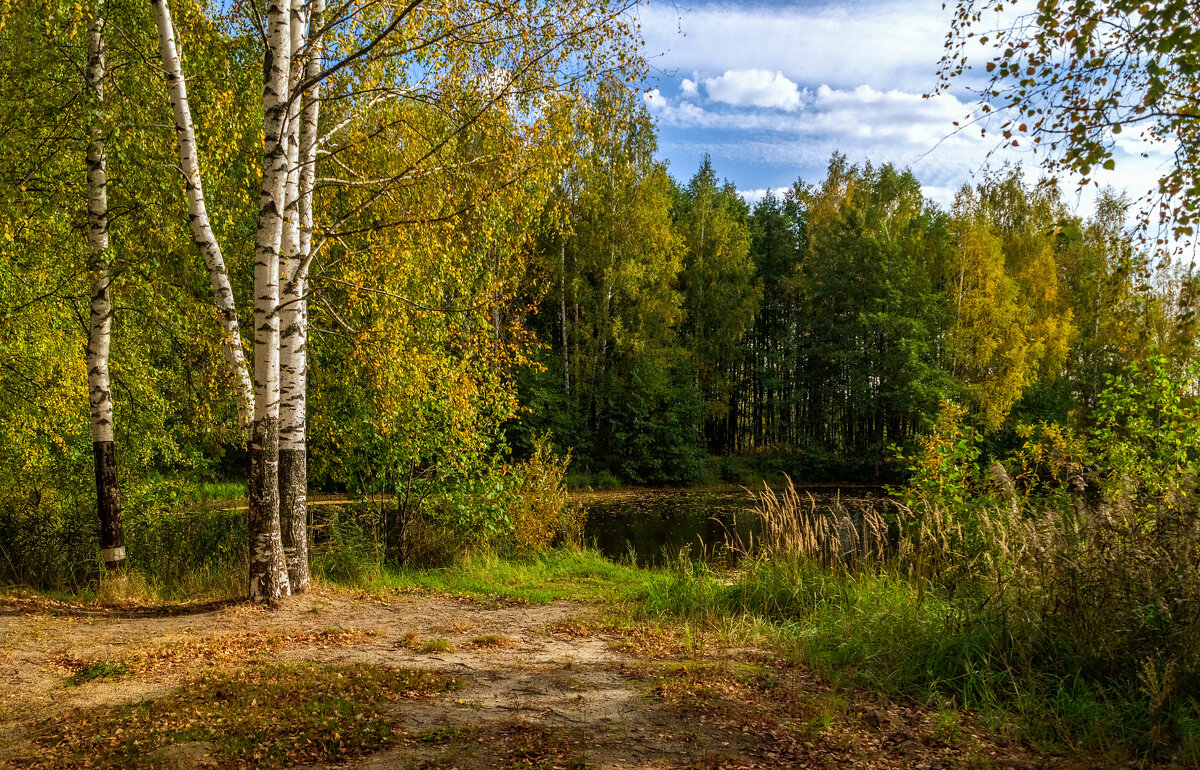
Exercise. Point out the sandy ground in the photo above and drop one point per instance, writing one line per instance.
(551, 675)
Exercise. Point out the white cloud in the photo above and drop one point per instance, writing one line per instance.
(682, 113)
(1144, 144)
(943, 195)
(900, 121)
(842, 44)
(752, 197)
(788, 84)
(754, 88)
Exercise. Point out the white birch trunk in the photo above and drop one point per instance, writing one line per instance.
(293, 475)
(108, 497)
(309, 120)
(268, 567)
(202, 231)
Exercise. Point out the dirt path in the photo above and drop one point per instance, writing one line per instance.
(541, 686)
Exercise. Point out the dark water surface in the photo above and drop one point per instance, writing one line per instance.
(655, 524)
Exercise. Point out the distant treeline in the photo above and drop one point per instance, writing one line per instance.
(824, 328)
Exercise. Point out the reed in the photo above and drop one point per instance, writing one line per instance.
(1074, 620)
(847, 533)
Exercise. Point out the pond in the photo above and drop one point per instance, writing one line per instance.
(651, 525)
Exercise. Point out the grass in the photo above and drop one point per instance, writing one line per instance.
(578, 574)
(581, 575)
(597, 480)
(98, 670)
(869, 628)
(262, 715)
(436, 645)
(878, 631)
(216, 490)
(444, 734)
(412, 641)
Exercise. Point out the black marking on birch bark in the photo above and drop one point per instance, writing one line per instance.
(268, 566)
(108, 498)
(293, 516)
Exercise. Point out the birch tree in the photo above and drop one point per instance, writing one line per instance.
(268, 567)
(482, 63)
(294, 260)
(258, 405)
(201, 226)
(108, 496)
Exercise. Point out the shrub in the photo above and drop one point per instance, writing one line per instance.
(541, 512)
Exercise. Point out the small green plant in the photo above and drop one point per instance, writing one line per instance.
(689, 641)
(947, 727)
(945, 470)
(412, 641)
(541, 513)
(436, 645)
(98, 670)
(817, 724)
(444, 734)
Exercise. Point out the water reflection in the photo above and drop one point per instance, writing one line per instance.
(656, 524)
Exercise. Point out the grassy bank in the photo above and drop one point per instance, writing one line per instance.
(872, 630)
(876, 631)
(881, 632)
(1055, 631)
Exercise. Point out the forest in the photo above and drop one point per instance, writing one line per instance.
(821, 332)
(346, 298)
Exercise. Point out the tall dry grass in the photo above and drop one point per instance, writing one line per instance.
(1081, 614)
(845, 533)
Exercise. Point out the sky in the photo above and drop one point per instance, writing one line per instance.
(771, 89)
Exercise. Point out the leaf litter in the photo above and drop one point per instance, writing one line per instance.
(336, 679)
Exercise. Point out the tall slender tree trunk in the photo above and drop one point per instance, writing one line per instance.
(202, 232)
(302, 159)
(292, 479)
(104, 455)
(562, 285)
(268, 567)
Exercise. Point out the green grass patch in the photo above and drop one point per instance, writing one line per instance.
(98, 670)
(436, 645)
(271, 715)
(412, 641)
(445, 734)
(582, 575)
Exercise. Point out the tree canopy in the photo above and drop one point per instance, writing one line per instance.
(1079, 77)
